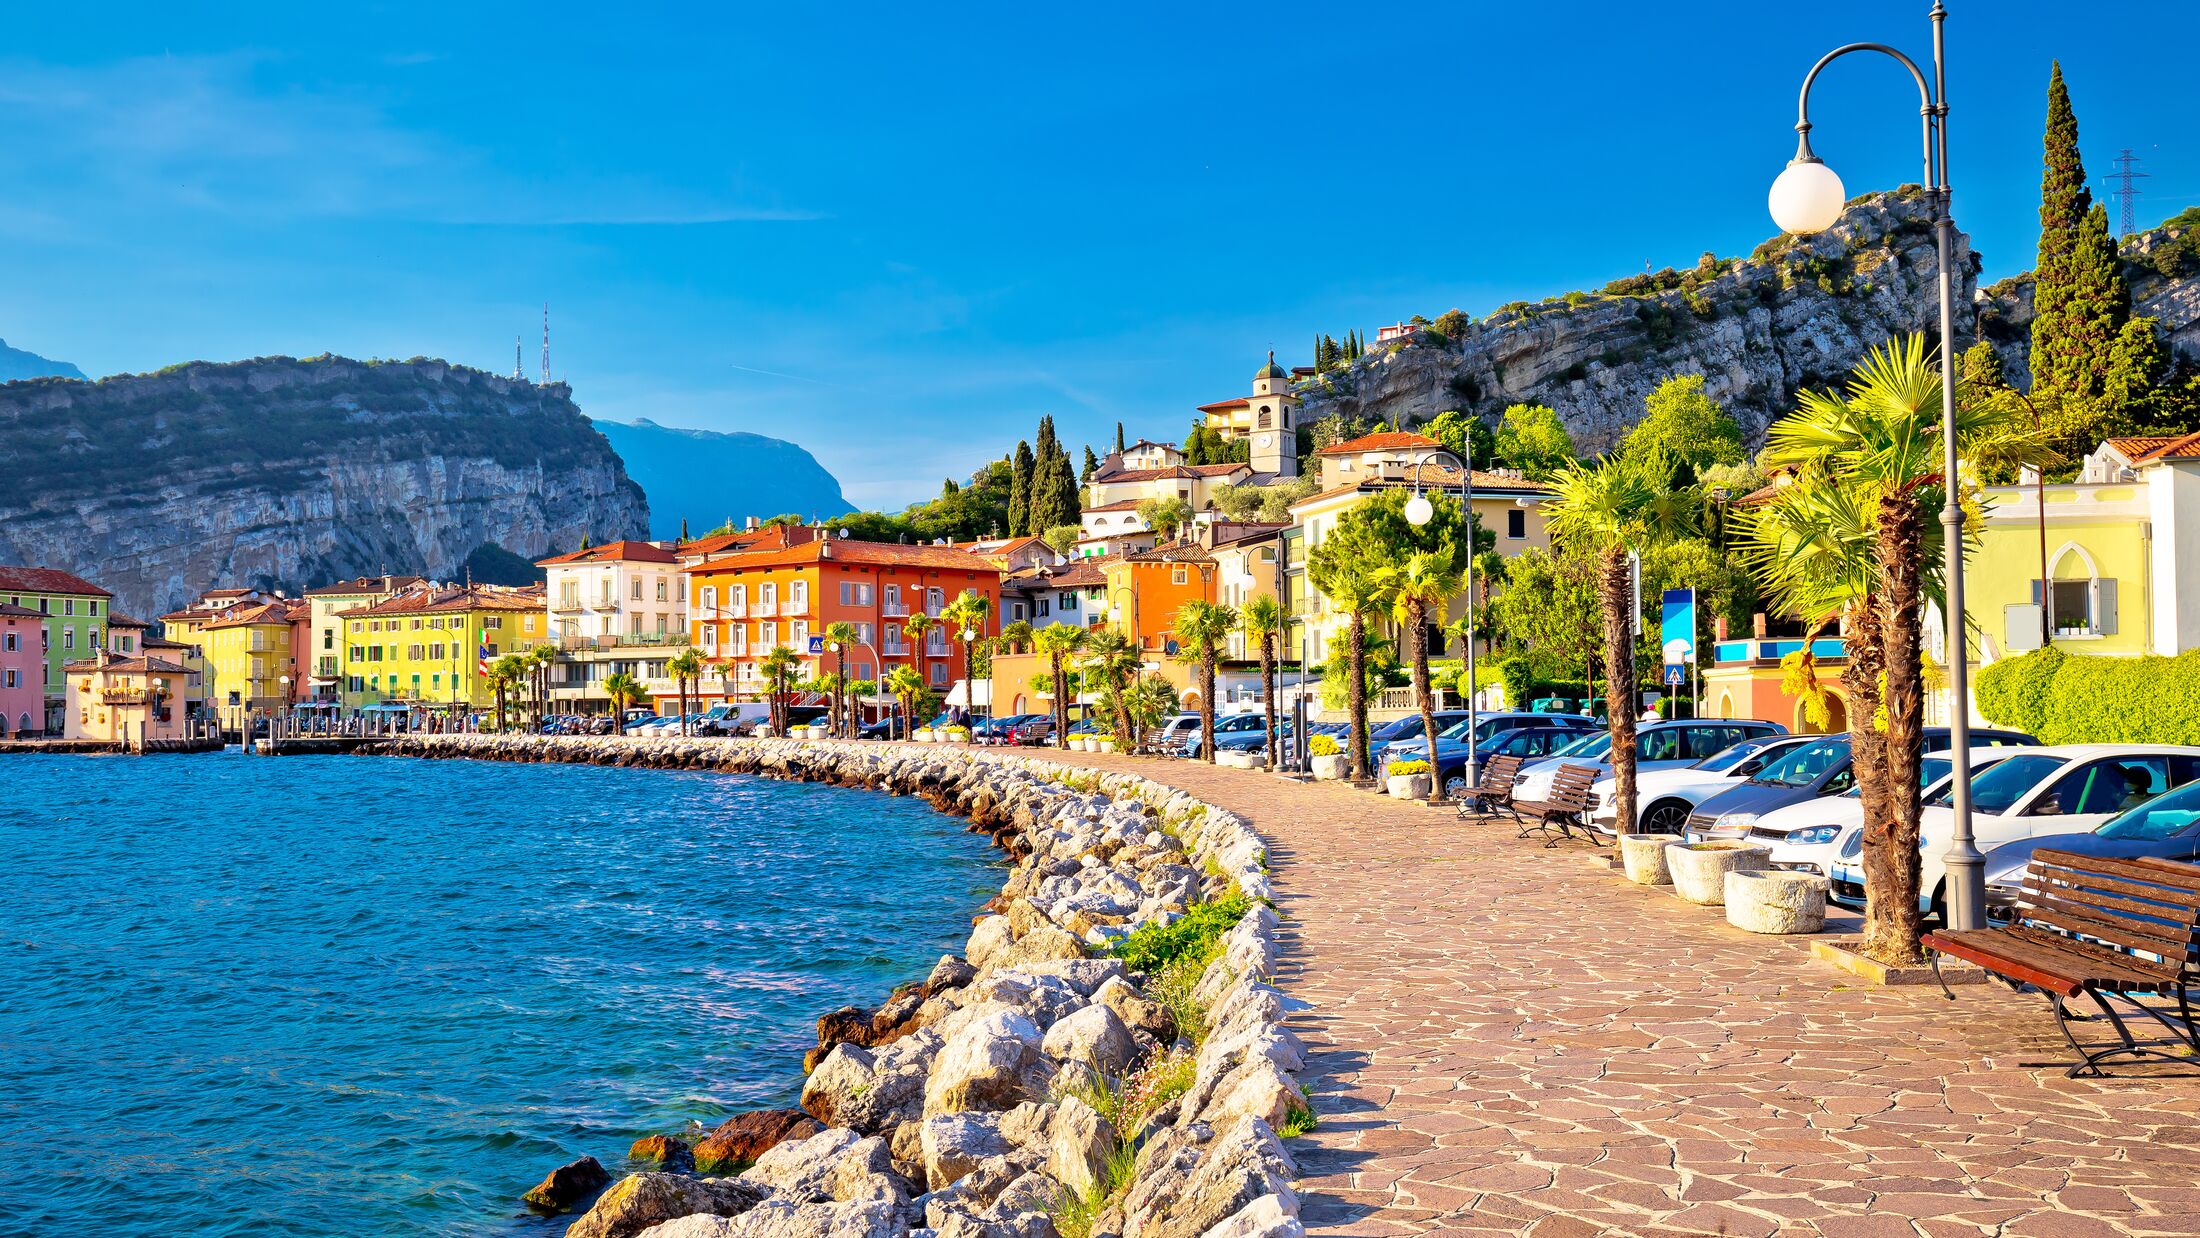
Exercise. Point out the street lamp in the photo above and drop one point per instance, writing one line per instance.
(1419, 511)
(1807, 198)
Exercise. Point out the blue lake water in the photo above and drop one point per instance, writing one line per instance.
(367, 996)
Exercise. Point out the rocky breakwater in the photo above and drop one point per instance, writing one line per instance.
(1106, 1057)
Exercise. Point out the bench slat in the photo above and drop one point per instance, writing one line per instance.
(2134, 931)
(2097, 892)
(2098, 961)
(1986, 947)
(2159, 880)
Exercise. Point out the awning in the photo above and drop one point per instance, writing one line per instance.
(960, 694)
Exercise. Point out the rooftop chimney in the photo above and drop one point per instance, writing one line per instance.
(752, 522)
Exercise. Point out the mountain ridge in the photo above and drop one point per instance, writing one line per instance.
(708, 477)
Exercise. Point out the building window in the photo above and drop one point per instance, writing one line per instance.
(1179, 575)
(1069, 601)
(14, 642)
(1516, 524)
(798, 597)
(710, 638)
(767, 596)
(636, 591)
(68, 638)
(68, 606)
(1264, 417)
(708, 598)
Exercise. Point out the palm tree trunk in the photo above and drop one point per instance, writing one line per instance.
(1207, 704)
(1356, 693)
(1892, 920)
(1616, 584)
(1865, 660)
(1268, 691)
(1417, 619)
(1061, 705)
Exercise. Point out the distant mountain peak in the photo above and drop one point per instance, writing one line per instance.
(17, 364)
(709, 476)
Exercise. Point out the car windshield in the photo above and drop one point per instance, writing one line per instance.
(1806, 764)
(1593, 745)
(1730, 756)
(1930, 770)
(1998, 789)
(2164, 817)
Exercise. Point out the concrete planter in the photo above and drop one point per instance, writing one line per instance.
(1407, 786)
(923, 735)
(1103, 745)
(1699, 869)
(1331, 768)
(1772, 901)
(1643, 855)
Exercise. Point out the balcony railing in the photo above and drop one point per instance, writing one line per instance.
(1772, 649)
(130, 696)
(567, 606)
(763, 610)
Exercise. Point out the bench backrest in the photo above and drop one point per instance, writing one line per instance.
(2140, 906)
(1496, 778)
(1570, 786)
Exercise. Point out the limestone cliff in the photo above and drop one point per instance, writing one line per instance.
(1798, 312)
(283, 473)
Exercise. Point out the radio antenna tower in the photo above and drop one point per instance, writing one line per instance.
(546, 342)
(519, 366)
(2126, 193)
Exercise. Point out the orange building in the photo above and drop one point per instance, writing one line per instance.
(742, 605)
(1146, 589)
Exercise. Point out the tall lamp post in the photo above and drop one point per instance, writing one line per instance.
(1808, 198)
(1419, 511)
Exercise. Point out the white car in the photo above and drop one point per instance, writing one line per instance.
(1658, 745)
(1806, 837)
(1665, 797)
(2064, 789)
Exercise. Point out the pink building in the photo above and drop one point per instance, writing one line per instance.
(22, 671)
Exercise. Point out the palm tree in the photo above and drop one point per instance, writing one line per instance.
(968, 613)
(918, 628)
(624, 690)
(1421, 581)
(1056, 642)
(1016, 636)
(541, 658)
(780, 667)
(1262, 620)
(685, 667)
(506, 673)
(1350, 585)
(1152, 697)
(1115, 660)
(839, 637)
(1880, 443)
(907, 684)
(1617, 506)
(1201, 627)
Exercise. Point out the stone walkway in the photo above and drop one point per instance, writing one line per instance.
(1504, 1040)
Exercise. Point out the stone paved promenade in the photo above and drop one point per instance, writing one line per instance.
(1505, 1041)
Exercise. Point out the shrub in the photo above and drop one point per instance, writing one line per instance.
(1404, 769)
(1323, 746)
(2014, 691)
(1519, 680)
(2081, 698)
(1195, 935)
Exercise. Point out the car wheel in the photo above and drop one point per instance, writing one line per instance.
(1665, 817)
(1456, 785)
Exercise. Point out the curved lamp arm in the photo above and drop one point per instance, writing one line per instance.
(1930, 111)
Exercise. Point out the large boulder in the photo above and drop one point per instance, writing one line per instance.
(1243, 1163)
(1137, 1011)
(949, 973)
(739, 1140)
(835, 1166)
(568, 1185)
(992, 1062)
(870, 1090)
(783, 1219)
(673, 1154)
(1270, 1216)
(991, 937)
(954, 1144)
(1043, 943)
(641, 1200)
(1079, 1144)
(1093, 1037)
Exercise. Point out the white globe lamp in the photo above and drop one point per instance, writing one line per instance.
(1806, 198)
(1419, 510)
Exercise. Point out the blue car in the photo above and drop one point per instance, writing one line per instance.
(2164, 828)
(1451, 742)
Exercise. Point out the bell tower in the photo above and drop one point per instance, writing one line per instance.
(1275, 426)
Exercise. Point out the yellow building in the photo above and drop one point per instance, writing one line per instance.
(130, 700)
(430, 647)
(247, 654)
(322, 661)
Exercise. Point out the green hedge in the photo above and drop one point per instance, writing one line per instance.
(2079, 698)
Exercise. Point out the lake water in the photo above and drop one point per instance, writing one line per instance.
(367, 996)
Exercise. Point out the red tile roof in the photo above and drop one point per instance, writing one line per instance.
(116, 619)
(1381, 440)
(48, 580)
(770, 537)
(247, 616)
(2141, 450)
(879, 554)
(22, 611)
(613, 552)
(139, 664)
(368, 584)
(440, 601)
(1120, 505)
(1223, 406)
(1174, 471)
(1433, 477)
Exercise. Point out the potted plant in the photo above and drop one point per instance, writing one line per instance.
(1408, 780)
(922, 735)
(956, 735)
(1103, 742)
(1329, 762)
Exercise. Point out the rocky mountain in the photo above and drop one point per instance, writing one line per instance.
(2161, 266)
(1797, 312)
(705, 477)
(283, 473)
(15, 364)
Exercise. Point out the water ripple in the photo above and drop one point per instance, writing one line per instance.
(330, 994)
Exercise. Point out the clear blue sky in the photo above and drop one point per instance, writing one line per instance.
(898, 234)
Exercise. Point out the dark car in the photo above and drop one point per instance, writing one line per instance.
(1227, 726)
(1528, 743)
(1821, 767)
(2164, 828)
(1451, 741)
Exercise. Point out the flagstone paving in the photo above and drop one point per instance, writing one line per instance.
(1503, 1040)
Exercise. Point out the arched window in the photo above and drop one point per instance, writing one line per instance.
(2079, 601)
(1264, 417)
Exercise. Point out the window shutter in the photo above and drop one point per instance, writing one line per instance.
(2104, 606)
(2039, 592)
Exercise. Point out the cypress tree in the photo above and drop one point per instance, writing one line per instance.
(1092, 465)
(1020, 470)
(2079, 299)
(1195, 445)
(1119, 438)
(683, 528)
(1069, 504)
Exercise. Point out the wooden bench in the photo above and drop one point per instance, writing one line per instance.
(2114, 931)
(1493, 787)
(1565, 813)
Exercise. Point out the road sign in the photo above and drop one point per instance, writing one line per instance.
(817, 644)
(1677, 631)
(1676, 675)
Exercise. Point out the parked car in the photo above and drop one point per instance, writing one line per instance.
(1032, 730)
(1229, 724)
(2164, 828)
(1169, 737)
(2067, 788)
(1658, 745)
(1819, 768)
(1807, 837)
(1451, 741)
(1527, 742)
(1665, 797)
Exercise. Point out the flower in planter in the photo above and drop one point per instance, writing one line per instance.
(1323, 746)
(1406, 769)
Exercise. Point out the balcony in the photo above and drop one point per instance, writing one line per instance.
(763, 610)
(1772, 649)
(130, 696)
(895, 610)
(732, 612)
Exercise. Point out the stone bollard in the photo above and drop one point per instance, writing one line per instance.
(1699, 869)
(1772, 901)
(1643, 856)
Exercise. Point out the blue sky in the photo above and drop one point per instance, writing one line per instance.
(898, 234)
